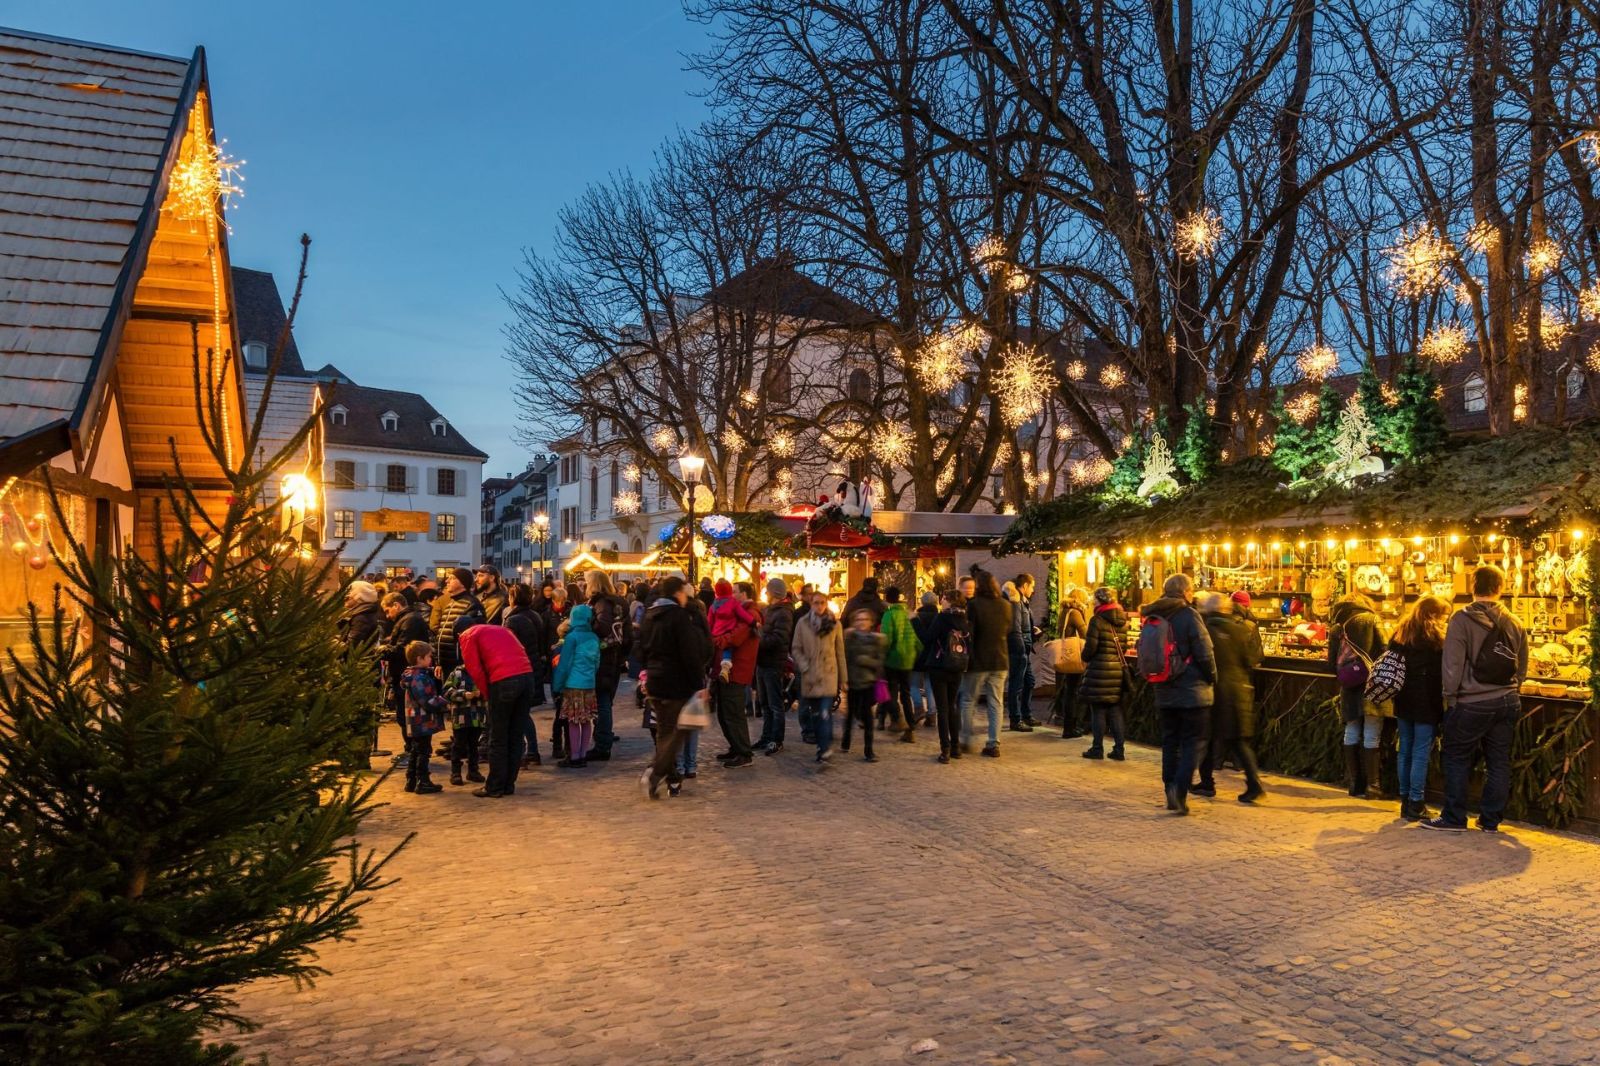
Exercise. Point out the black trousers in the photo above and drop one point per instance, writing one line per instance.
(464, 746)
(860, 706)
(947, 707)
(669, 738)
(731, 699)
(420, 748)
(510, 702)
(899, 694)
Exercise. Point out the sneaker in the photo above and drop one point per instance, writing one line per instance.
(1488, 827)
(411, 786)
(650, 784)
(991, 751)
(1208, 791)
(908, 737)
(772, 748)
(869, 757)
(739, 761)
(1443, 826)
(1251, 794)
(1021, 727)
(944, 757)
(598, 756)
(457, 779)
(401, 761)
(726, 757)
(487, 793)
(689, 775)
(824, 758)
(475, 775)
(1030, 723)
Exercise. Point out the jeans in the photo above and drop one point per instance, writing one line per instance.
(731, 699)
(510, 703)
(817, 711)
(669, 738)
(1182, 731)
(1099, 714)
(860, 708)
(605, 698)
(990, 683)
(769, 682)
(530, 737)
(689, 753)
(1490, 724)
(947, 704)
(1019, 688)
(1416, 744)
(1364, 731)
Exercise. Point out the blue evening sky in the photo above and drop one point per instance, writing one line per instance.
(422, 145)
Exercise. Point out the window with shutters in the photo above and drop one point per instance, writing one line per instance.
(344, 525)
(347, 571)
(616, 479)
(344, 474)
(444, 528)
(447, 482)
(395, 478)
(859, 386)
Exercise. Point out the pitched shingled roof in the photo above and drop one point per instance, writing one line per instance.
(85, 131)
(363, 426)
(260, 315)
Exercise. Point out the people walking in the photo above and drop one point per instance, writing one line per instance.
(1354, 644)
(948, 655)
(676, 647)
(864, 649)
(577, 669)
(1419, 705)
(610, 621)
(737, 649)
(500, 669)
(772, 657)
(1236, 645)
(1019, 654)
(818, 651)
(1485, 661)
(901, 648)
(990, 620)
(1175, 656)
(1070, 671)
(1104, 683)
(921, 687)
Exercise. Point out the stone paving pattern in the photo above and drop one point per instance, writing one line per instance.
(1035, 908)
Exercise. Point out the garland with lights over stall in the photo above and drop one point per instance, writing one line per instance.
(1528, 503)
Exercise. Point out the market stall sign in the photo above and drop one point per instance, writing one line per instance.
(385, 520)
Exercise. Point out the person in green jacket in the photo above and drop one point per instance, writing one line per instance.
(900, 655)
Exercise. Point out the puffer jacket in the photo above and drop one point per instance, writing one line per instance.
(579, 663)
(903, 646)
(777, 633)
(818, 650)
(447, 615)
(1104, 650)
(1237, 645)
(922, 626)
(863, 655)
(990, 619)
(1192, 686)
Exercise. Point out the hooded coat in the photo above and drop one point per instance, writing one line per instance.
(922, 626)
(818, 650)
(903, 646)
(1191, 686)
(1236, 642)
(580, 653)
(676, 647)
(1104, 655)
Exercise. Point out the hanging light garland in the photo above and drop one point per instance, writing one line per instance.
(205, 180)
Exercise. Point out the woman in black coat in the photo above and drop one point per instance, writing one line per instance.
(1103, 684)
(1236, 643)
(1419, 705)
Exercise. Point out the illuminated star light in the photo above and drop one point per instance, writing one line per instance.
(663, 438)
(1553, 328)
(748, 398)
(1089, 471)
(626, 503)
(1444, 345)
(1304, 407)
(1196, 236)
(1417, 265)
(1112, 376)
(1593, 359)
(1317, 361)
(1544, 255)
(1063, 431)
(631, 472)
(892, 444)
(732, 439)
(941, 361)
(204, 179)
(846, 438)
(1021, 382)
(781, 444)
(1482, 237)
(1589, 301)
(1076, 370)
(989, 250)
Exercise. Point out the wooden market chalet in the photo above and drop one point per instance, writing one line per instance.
(113, 274)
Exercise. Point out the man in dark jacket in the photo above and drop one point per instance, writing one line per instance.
(491, 594)
(772, 655)
(1184, 699)
(448, 612)
(989, 616)
(866, 600)
(676, 646)
(526, 625)
(615, 630)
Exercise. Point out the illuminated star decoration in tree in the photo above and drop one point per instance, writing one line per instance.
(1544, 255)
(892, 444)
(1317, 362)
(1022, 382)
(626, 503)
(631, 472)
(732, 439)
(781, 444)
(1553, 328)
(1303, 407)
(1589, 301)
(941, 361)
(1483, 237)
(1593, 359)
(1076, 370)
(1112, 376)
(1444, 344)
(748, 398)
(205, 178)
(1196, 236)
(663, 438)
(846, 439)
(989, 251)
(1063, 431)
(1418, 264)
(1089, 471)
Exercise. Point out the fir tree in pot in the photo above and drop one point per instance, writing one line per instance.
(176, 818)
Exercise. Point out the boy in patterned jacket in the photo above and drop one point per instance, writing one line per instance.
(469, 713)
(425, 708)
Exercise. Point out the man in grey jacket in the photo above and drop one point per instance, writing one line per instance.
(1480, 710)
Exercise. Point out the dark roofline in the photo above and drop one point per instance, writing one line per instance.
(33, 35)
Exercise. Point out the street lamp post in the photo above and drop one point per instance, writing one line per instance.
(538, 531)
(690, 466)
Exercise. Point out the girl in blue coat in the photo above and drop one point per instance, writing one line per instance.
(574, 683)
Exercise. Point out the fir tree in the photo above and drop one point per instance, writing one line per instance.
(1325, 430)
(1199, 451)
(174, 816)
(1419, 428)
(1291, 442)
(1127, 469)
(1369, 391)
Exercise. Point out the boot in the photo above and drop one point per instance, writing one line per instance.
(909, 736)
(1352, 770)
(455, 772)
(411, 775)
(1371, 762)
(472, 762)
(424, 779)
(1096, 752)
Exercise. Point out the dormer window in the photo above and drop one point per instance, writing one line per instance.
(391, 421)
(337, 414)
(439, 426)
(255, 355)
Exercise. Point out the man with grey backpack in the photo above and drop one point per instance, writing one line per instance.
(1485, 660)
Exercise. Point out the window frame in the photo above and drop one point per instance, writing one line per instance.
(340, 479)
(344, 518)
(443, 523)
(388, 478)
(439, 479)
(1475, 394)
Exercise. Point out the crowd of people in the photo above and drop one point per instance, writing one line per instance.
(475, 656)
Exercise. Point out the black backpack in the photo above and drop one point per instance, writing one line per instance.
(953, 655)
(1496, 661)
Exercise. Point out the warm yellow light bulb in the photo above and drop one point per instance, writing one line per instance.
(1276, 546)
(1454, 539)
(1300, 544)
(1128, 551)
(1351, 543)
(1417, 541)
(1332, 544)
(1493, 537)
(1576, 534)
(1148, 550)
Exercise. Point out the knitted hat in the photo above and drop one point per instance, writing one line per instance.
(463, 575)
(1242, 598)
(722, 589)
(1103, 595)
(362, 592)
(776, 589)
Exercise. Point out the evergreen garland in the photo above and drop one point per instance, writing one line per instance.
(1369, 392)
(1127, 470)
(1419, 431)
(1291, 442)
(1330, 406)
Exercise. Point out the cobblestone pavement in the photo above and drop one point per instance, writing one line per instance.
(1034, 908)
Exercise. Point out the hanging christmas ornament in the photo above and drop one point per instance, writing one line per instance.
(37, 560)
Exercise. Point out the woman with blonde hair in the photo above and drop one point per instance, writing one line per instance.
(1419, 705)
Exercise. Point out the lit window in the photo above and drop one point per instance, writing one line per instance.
(1475, 394)
(347, 571)
(444, 528)
(344, 525)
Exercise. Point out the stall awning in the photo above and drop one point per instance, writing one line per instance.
(930, 525)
